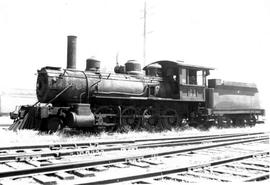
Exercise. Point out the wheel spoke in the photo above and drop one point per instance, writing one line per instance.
(129, 119)
(106, 116)
(170, 119)
(151, 120)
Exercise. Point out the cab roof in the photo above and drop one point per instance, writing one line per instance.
(168, 63)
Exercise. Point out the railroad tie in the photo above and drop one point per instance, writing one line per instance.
(139, 164)
(98, 168)
(83, 173)
(64, 175)
(45, 180)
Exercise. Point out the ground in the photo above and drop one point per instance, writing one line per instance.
(27, 137)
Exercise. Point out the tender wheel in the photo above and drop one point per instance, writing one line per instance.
(239, 122)
(151, 120)
(129, 119)
(170, 119)
(252, 121)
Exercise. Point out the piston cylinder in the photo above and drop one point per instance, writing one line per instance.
(80, 116)
(80, 121)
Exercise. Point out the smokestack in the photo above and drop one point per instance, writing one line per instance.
(71, 52)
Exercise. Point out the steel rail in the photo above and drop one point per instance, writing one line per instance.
(95, 143)
(83, 144)
(5, 125)
(57, 153)
(193, 142)
(90, 163)
(177, 170)
(258, 177)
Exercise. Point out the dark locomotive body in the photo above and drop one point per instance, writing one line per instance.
(165, 94)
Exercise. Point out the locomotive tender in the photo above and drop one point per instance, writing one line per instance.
(167, 94)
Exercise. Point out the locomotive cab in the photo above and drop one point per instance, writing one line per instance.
(192, 83)
(182, 81)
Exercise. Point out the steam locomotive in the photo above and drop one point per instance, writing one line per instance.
(165, 94)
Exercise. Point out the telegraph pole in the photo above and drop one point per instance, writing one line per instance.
(144, 32)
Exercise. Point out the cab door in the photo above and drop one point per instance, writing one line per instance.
(171, 78)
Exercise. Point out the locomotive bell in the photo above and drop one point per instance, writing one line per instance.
(133, 67)
(92, 65)
(119, 69)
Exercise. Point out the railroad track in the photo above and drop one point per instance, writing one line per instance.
(63, 149)
(4, 126)
(146, 161)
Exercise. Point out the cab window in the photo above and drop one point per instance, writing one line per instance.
(183, 76)
(192, 76)
(200, 80)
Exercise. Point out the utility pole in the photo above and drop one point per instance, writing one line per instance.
(144, 32)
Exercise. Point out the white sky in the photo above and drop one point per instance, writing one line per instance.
(230, 35)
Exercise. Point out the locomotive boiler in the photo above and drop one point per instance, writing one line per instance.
(163, 95)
